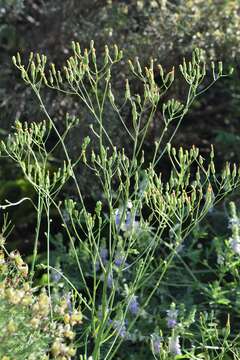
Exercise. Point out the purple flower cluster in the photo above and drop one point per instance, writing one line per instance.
(133, 305)
(104, 255)
(172, 315)
(119, 260)
(173, 345)
(117, 217)
(120, 327)
(110, 280)
(156, 342)
(56, 276)
(129, 222)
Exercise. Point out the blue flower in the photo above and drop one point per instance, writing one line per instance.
(56, 276)
(171, 323)
(130, 222)
(119, 259)
(117, 217)
(129, 219)
(104, 255)
(126, 222)
(156, 342)
(120, 327)
(133, 305)
(172, 315)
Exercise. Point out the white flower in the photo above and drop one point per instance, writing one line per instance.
(174, 345)
(235, 244)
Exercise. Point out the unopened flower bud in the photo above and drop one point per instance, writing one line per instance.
(76, 318)
(23, 268)
(66, 319)
(35, 322)
(56, 348)
(11, 327)
(71, 351)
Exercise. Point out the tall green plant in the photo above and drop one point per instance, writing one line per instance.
(139, 208)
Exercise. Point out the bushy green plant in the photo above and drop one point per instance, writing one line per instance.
(33, 325)
(124, 247)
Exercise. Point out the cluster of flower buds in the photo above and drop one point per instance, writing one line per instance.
(62, 347)
(36, 307)
(41, 307)
(20, 264)
(17, 296)
(74, 318)
(61, 351)
(3, 264)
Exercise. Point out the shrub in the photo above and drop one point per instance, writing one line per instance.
(33, 325)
